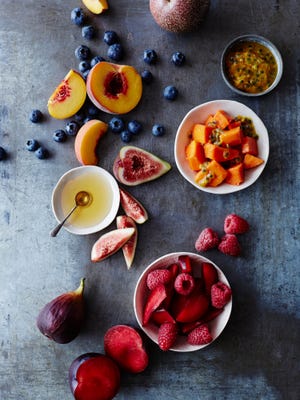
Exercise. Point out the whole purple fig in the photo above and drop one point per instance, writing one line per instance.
(61, 319)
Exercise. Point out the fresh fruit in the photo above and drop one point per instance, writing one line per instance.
(220, 295)
(41, 153)
(68, 97)
(110, 37)
(61, 319)
(116, 125)
(96, 6)
(95, 60)
(167, 335)
(158, 130)
(158, 277)
(208, 239)
(126, 136)
(124, 221)
(185, 264)
(230, 245)
(36, 116)
(154, 301)
(113, 88)
(191, 307)
(233, 223)
(77, 16)
(72, 128)
(88, 32)
(59, 136)
(132, 207)
(110, 242)
(125, 346)
(160, 316)
(115, 52)
(184, 283)
(147, 76)
(32, 144)
(3, 154)
(134, 166)
(170, 92)
(179, 15)
(200, 335)
(135, 127)
(150, 56)
(94, 376)
(209, 276)
(82, 52)
(178, 58)
(86, 141)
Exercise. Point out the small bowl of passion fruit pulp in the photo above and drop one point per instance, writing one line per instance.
(251, 65)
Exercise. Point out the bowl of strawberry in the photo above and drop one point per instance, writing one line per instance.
(182, 301)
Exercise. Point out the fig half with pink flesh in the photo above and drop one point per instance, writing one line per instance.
(132, 207)
(123, 221)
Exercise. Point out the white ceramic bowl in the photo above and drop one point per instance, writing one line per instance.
(141, 293)
(198, 115)
(87, 178)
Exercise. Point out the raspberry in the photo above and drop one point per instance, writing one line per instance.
(208, 239)
(200, 335)
(220, 295)
(167, 335)
(157, 277)
(184, 283)
(230, 245)
(233, 223)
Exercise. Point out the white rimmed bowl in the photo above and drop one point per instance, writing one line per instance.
(99, 176)
(198, 115)
(141, 293)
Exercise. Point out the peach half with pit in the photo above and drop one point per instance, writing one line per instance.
(96, 6)
(87, 139)
(113, 88)
(68, 97)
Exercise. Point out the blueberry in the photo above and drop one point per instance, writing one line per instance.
(32, 145)
(36, 116)
(79, 116)
(95, 60)
(150, 56)
(126, 136)
(178, 58)
(84, 66)
(147, 76)
(77, 16)
(85, 73)
(170, 93)
(82, 52)
(59, 136)
(88, 32)
(158, 130)
(134, 127)
(72, 128)
(115, 52)
(92, 110)
(110, 37)
(116, 125)
(41, 153)
(3, 154)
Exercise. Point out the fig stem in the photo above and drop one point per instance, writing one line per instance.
(80, 289)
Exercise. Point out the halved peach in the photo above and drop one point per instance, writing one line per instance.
(68, 97)
(86, 141)
(115, 89)
(96, 6)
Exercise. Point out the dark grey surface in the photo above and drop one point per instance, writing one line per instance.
(257, 356)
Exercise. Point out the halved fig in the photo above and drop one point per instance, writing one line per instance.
(132, 207)
(124, 221)
(110, 243)
(134, 166)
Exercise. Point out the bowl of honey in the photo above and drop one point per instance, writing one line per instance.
(251, 65)
(100, 210)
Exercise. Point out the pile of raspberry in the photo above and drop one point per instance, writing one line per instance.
(228, 244)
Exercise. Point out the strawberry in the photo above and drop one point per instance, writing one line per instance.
(208, 239)
(209, 276)
(185, 264)
(230, 245)
(233, 223)
(200, 335)
(220, 295)
(184, 283)
(155, 298)
(167, 335)
(157, 277)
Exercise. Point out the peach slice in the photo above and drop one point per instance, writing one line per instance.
(115, 89)
(68, 97)
(96, 6)
(87, 140)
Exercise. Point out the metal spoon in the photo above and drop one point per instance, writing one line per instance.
(81, 199)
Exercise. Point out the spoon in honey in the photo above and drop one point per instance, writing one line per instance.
(81, 199)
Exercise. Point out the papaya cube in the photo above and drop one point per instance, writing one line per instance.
(212, 175)
(201, 133)
(231, 137)
(249, 145)
(235, 175)
(211, 122)
(219, 153)
(222, 119)
(251, 161)
(194, 155)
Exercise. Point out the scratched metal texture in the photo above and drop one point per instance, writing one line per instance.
(257, 356)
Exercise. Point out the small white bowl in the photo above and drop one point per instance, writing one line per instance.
(198, 115)
(95, 181)
(141, 293)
